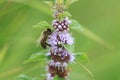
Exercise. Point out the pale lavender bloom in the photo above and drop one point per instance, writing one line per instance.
(63, 37)
(53, 39)
(66, 38)
(59, 51)
(58, 65)
(49, 77)
(72, 58)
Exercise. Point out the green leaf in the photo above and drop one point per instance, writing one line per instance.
(48, 57)
(62, 16)
(42, 24)
(67, 14)
(58, 78)
(59, 2)
(76, 25)
(69, 2)
(72, 1)
(24, 77)
(70, 48)
(39, 56)
(49, 3)
(81, 57)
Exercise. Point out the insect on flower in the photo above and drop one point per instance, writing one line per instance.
(43, 39)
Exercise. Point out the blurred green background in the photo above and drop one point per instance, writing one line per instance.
(100, 39)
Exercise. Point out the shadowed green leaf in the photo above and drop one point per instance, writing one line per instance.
(58, 78)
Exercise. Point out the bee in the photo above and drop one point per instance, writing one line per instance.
(43, 39)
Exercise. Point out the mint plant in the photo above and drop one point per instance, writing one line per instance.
(58, 42)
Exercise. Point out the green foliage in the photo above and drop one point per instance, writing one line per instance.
(81, 57)
(49, 3)
(75, 25)
(70, 48)
(66, 2)
(103, 19)
(24, 77)
(42, 24)
(72, 1)
(66, 13)
(58, 78)
(69, 2)
(39, 56)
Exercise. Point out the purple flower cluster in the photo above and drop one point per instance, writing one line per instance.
(60, 56)
(60, 37)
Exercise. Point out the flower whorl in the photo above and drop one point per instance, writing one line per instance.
(60, 56)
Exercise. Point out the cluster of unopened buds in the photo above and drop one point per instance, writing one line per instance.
(61, 26)
(60, 56)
